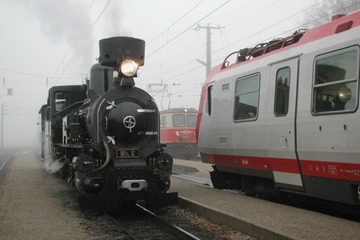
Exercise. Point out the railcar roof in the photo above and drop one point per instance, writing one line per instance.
(339, 23)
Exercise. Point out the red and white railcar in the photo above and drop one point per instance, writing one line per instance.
(285, 117)
(177, 131)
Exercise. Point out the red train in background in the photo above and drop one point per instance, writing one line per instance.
(177, 131)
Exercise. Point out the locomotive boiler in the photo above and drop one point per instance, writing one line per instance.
(105, 136)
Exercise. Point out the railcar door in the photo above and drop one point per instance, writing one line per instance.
(282, 125)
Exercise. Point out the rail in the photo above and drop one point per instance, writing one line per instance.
(129, 227)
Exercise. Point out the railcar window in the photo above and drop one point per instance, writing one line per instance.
(336, 82)
(191, 120)
(282, 91)
(247, 97)
(209, 99)
(61, 99)
(179, 120)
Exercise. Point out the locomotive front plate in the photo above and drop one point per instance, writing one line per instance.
(127, 153)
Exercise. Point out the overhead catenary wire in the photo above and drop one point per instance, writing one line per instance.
(249, 15)
(195, 48)
(233, 10)
(107, 4)
(173, 24)
(257, 32)
(67, 65)
(23, 73)
(294, 28)
(181, 33)
(62, 62)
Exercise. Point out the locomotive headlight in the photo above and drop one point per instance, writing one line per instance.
(128, 67)
(177, 133)
(344, 94)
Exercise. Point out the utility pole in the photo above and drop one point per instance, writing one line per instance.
(155, 88)
(2, 114)
(208, 46)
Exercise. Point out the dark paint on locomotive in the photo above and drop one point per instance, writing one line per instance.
(107, 137)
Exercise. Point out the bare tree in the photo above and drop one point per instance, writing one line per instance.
(322, 11)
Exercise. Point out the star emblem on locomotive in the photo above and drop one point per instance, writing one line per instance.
(111, 139)
(110, 105)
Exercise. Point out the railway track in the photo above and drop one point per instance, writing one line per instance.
(192, 179)
(142, 223)
(4, 158)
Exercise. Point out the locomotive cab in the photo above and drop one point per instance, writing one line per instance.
(61, 101)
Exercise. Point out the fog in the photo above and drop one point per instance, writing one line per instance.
(46, 42)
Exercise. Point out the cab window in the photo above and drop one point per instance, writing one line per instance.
(335, 88)
(179, 120)
(191, 120)
(247, 98)
(61, 100)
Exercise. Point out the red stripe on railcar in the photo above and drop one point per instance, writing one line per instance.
(334, 170)
(168, 135)
(258, 163)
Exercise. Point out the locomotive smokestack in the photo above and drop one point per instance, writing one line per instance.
(113, 51)
(125, 54)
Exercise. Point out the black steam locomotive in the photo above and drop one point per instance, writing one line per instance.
(105, 135)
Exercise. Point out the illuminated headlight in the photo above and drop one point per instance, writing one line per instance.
(344, 94)
(177, 133)
(129, 67)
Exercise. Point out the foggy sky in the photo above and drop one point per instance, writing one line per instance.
(48, 42)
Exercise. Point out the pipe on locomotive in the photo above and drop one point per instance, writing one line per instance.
(107, 160)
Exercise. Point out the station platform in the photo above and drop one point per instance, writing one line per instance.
(257, 217)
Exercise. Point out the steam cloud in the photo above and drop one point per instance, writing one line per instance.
(66, 21)
(71, 22)
(53, 166)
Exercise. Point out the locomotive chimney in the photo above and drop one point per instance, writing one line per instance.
(116, 49)
(125, 54)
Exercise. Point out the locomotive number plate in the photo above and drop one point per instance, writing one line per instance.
(127, 153)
